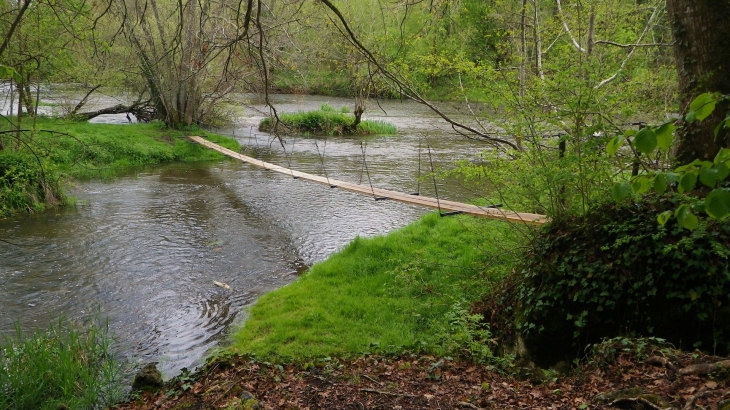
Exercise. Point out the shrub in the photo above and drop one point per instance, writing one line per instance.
(63, 365)
(25, 184)
(616, 271)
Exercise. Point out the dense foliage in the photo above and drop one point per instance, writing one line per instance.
(616, 271)
(65, 367)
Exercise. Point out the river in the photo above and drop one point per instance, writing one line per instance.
(143, 250)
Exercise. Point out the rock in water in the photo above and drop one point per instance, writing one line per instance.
(149, 378)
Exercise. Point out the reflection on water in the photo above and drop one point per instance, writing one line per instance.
(144, 250)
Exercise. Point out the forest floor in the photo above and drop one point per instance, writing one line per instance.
(662, 379)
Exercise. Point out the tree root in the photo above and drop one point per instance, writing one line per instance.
(634, 400)
(661, 362)
(704, 368)
(385, 393)
(691, 402)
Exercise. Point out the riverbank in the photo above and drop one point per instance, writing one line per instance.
(385, 323)
(411, 288)
(37, 163)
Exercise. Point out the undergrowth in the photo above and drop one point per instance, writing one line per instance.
(617, 272)
(65, 365)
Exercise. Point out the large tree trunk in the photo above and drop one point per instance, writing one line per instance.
(702, 34)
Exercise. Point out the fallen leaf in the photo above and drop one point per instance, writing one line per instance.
(711, 385)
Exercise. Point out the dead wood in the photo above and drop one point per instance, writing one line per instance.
(704, 368)
(143, 111)
(659, 361)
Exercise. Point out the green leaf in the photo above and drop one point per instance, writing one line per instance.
(685, 217)
(664, 136)
(660, 183)
(664, 217)
(722, 156)
(614, 144)
(641, 184)
(629, 133)
(690, 116)
(708, 177)
(672, 177)
(10, 73)
(703, 105)
(620, 191)
(717, 203)
(645, 140)
(723, 124)
(687, 182)
(722, 171)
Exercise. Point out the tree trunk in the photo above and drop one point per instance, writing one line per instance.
(701, 31)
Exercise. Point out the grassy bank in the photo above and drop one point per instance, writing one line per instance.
(326, 121)
(35, 163)
(409, 288)
(64, 367)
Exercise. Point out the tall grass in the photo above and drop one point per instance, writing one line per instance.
(64, 365)
(326, 121)
(401, 289)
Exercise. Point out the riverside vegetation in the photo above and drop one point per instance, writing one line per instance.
(565, 80)
(49, 152)
(67, 366)
(325, 121)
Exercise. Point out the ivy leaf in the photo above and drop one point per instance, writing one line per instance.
(685, 217)
(717, 203)
(614, 144)
(693, 295)
(660, 183)
(708, 177)
(664, 136)
(641, 184)
(620, 191)
(664, 217)
(645, 140)
(703, 105)
(687, 182)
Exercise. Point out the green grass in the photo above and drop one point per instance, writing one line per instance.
(33, 166)
(63, 365)
(398, 290)
(326, 121)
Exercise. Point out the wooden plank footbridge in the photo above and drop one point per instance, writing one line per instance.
(450, 207)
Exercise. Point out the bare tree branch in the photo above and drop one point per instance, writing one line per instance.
(567, 29)
(633, 49)
(405, 89)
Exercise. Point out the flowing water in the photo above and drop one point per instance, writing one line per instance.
(144, 250)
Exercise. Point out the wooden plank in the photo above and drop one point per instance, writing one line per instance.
(443, 205)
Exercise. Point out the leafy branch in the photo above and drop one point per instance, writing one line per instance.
(684, 179)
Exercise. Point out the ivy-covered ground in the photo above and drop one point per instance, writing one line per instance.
(631, 379)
